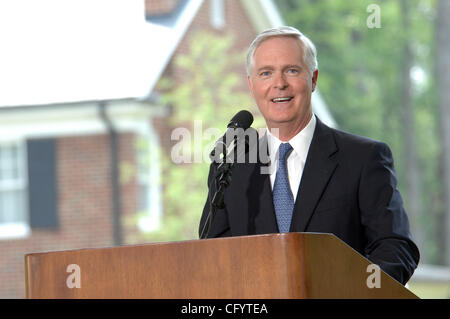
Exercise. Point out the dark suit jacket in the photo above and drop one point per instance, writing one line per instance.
(348, 188)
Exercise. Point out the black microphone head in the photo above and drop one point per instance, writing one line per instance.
(242, 119)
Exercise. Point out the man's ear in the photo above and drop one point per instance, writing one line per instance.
(314, 79)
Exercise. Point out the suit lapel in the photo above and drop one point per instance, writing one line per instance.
(262, 219)
(252, 196)
(319, 167)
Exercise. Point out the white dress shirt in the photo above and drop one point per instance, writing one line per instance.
(296, 159)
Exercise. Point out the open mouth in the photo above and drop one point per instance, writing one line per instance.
(282, 99)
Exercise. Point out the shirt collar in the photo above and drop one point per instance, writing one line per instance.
(300, 142)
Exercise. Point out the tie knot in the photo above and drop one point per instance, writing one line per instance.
(283, 151)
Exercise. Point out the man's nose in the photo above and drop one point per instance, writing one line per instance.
(280, 81)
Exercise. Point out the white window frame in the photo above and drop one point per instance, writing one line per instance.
(21, 227)
(148, 176)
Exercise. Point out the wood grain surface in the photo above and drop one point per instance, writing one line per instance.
(293, 265)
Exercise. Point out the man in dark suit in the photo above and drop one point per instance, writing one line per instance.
(317, 179)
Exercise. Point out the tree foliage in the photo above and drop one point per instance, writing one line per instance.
(209, 92)
(360, 78)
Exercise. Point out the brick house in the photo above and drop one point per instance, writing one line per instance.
(66, 143)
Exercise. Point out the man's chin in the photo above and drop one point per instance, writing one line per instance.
(280, 124)
(282, 120)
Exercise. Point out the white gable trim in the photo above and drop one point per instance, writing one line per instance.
(272, 13)
(171, 37)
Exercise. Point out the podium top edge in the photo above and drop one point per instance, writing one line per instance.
(291, 234)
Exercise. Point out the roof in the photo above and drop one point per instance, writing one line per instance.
(56, 52)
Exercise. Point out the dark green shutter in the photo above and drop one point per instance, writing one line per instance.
(42, 183)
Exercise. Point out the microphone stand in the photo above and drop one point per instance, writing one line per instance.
(222, 179)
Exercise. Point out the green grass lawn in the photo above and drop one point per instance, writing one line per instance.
(430, 290)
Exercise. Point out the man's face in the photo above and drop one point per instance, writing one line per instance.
(281, 83)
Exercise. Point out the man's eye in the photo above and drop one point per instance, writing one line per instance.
(292, 71)
(265, 73)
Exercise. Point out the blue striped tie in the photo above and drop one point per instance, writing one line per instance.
(283, 200)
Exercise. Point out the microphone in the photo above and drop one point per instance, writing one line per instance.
(242, 119)
(232, 137)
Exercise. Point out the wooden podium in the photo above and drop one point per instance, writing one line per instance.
(292, 265)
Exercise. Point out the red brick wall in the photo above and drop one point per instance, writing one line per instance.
(84, 207)
(157, 7)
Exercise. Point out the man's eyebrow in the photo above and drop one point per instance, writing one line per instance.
(289, 66)
(265, 67)
(293, 66)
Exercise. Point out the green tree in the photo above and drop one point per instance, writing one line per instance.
(375, 83)
(443, 84)
(211, 91)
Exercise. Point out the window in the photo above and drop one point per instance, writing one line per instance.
(13, 191)
(149, 183)
(217, 14)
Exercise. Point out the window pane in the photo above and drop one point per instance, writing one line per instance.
(143, 198)
(12, 207)
(14, 162)
(9, 162)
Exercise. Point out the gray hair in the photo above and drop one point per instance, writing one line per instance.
(309, 50)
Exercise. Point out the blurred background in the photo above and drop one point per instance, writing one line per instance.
(91, 92)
